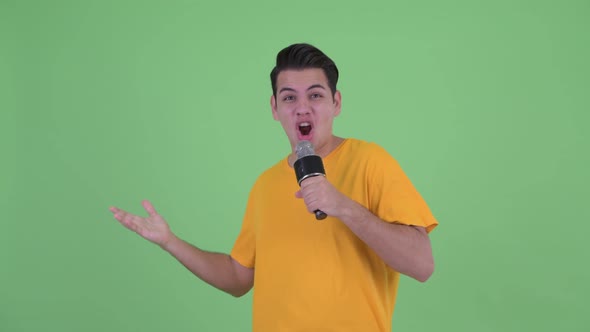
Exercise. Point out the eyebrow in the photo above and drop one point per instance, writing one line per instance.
(311, 87)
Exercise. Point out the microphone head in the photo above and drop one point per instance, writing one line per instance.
(304, 149)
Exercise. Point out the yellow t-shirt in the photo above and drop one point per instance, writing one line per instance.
(315, 275)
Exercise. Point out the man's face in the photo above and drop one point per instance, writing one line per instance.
(305, 107)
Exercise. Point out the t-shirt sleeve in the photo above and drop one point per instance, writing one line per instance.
(244, 250)
(392, 196)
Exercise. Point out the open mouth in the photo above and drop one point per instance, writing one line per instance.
(305, 128)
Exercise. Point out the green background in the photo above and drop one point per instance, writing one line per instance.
(484, 104)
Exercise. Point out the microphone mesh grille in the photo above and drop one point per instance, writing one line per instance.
(304, 149)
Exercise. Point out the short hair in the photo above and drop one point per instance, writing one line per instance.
(304, 56)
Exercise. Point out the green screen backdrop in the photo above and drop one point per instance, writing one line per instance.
(483, 103)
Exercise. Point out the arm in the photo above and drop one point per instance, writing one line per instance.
(405, 249)
(218, 270)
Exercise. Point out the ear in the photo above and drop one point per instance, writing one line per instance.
(337, 103)
(273, 107)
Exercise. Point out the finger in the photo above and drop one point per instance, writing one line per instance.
(119, 214)
(308, 182)
(311, 205)
(124, 218)
(313, 200)
(312, 182)
(131, 221)
(149, 208)
(113, 209)
(298, 194)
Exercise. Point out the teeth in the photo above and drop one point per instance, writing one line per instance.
(304, 124)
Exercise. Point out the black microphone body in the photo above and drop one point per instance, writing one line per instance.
(308, 165)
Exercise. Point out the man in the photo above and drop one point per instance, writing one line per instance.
(338, 274)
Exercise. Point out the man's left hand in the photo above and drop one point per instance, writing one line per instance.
(319, 194)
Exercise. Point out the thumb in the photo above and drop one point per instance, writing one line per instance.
(149, 208)
(298, 194)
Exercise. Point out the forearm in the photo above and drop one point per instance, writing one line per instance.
(405, 249)
(215, 269)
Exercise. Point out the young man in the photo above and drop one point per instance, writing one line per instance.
(338, 274)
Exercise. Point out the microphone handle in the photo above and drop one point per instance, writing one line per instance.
(320, 215)
(310, 166)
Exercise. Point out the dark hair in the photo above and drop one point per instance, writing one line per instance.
(303, 56)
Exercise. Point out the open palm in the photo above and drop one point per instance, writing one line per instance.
(152, 228)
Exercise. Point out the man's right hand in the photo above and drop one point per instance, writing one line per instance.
(153, 228)
(218, 270)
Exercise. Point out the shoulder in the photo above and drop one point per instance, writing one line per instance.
(367, 150)
(373, 158)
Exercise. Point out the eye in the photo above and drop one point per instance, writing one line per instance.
(316, 96)
(288, 98)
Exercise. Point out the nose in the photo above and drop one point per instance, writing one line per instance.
(303, 108)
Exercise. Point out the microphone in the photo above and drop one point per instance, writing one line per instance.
(308, 165)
